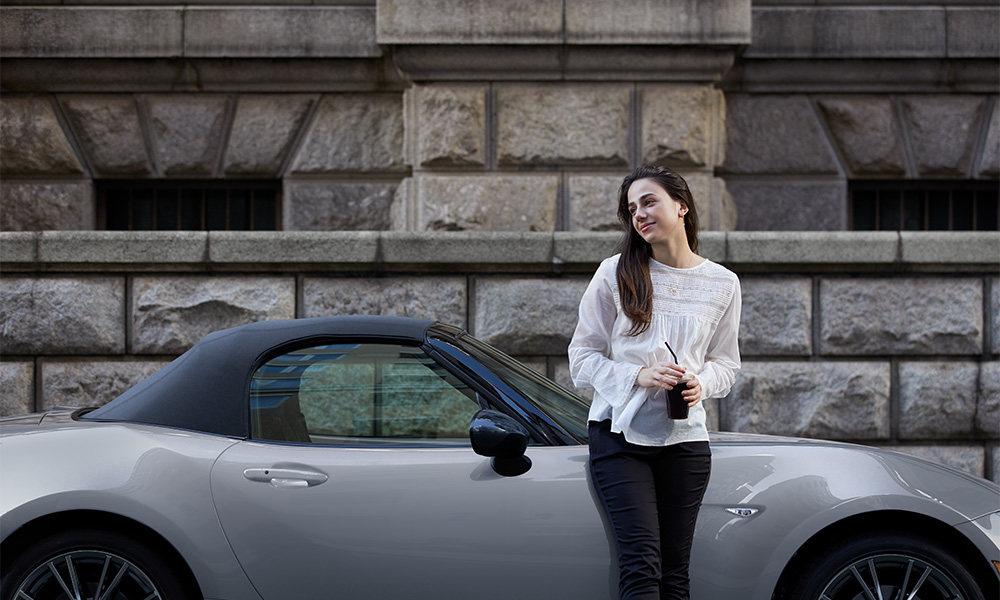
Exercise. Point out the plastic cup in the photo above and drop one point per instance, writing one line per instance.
(677, 407)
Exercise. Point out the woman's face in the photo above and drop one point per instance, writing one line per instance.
(655, 215)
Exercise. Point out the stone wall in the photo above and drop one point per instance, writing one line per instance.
(880, 338)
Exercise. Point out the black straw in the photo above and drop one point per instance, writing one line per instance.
(671, 352)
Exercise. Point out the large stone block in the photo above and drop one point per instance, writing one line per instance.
(281, 31)
(470, 22)
(84, 31)
(18, 246)
(66, 384)
(937, 400)
(109, 133)
(170, 314)
(593, 202)
(562, 377)
(866, 131)
(354, 132)
(437, 298)
(187, 132)
(848, 32)
(774, 134)
(37, 206)
(715, 205)
(329, 206)
(682, 126)
(61, 315)
(928, 315)
(658, 22)
(951, 248)
(969, 459)
(547, 125)
(263, 130)
(995, 475)
(31, 140)
(122, 247)
(294, 247)
(776, 317)
(988, 403)
(974, 32)
(449, 124)
(475, 250)
(989, 162)
(995, 313)
(838, 400)
(527, 316)
(943, 131)
(17, 388)
(789, 205)
(489, 202)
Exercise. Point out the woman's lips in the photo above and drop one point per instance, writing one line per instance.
(644, 227)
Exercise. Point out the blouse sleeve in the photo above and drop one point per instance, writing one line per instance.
(590, 349)
(722, 358)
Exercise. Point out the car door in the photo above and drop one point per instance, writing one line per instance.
(361, 483)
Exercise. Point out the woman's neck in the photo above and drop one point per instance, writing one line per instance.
(675, 253)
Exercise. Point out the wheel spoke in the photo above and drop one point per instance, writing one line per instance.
(906, 580)
(62, 584)
(73, 577)
(114, 582)
(878, 588)
(920, 582)
(104, 574)
(23, 596)
(864, 586)
(151, 596)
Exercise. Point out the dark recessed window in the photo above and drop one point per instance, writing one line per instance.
(189, 205)
(924, 205)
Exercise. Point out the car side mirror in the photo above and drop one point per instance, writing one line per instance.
(496, 435)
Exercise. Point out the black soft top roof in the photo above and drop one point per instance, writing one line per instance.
(205, 389)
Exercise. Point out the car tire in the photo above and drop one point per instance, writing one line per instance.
(85, 559)
(934, 572)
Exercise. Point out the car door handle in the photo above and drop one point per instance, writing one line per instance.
(284, 477)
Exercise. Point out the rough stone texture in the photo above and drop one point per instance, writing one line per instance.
(682, 125)
(109, 133)
(774, 134)
(988, 402)
(450, 125)
(974, 32)
(846, 32)
(38, 206)
(562, 377)
(995, 312)
(776, 317)
(273, 31)
(546, 125)
(839, 400)
(59, 315)
(187, 132)
(937, 400)
(337, 206)
(866, 131)
(491, 202)
(789, 205)
(715, 205)
(31, 140)
(78, 31)
(354, 132)
(18, 247)
(812, 247)
(91, 383)
(264, 128)
(951, 247)
(527, 316)
(17, 388)
(969, 459)
(470, 22)
(989, 163)
(170, 314)
(995, 475)
(122, 247)
(593, 203)
(643, 22)
(928, 315)
(437, 298)
(942, 131)
(473, 249)
(294, 247)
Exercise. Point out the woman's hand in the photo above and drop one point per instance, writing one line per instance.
(693, 392)
(662, 375)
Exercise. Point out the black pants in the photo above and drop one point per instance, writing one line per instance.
(651, 495)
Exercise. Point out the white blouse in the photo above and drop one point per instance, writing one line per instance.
(696, 310)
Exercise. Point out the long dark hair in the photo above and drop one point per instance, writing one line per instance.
(635, 288)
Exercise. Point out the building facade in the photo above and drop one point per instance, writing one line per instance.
(167, 170)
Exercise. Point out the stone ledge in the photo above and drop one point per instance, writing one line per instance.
(486, 251)
(134, 32)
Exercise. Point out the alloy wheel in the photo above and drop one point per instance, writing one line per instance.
(87, 575)
(892, 577)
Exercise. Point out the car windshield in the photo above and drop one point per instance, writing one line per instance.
(561, 405)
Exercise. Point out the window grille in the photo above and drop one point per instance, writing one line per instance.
(924, 205)
(189, 205)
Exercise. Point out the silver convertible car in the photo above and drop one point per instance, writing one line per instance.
(388, 458)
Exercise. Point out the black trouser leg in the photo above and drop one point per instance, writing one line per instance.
(651, 496)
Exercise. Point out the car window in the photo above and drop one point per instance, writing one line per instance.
(360, 394)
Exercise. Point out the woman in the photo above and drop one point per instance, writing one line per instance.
(651, 471)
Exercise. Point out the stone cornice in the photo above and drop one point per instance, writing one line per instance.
(487, 252)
